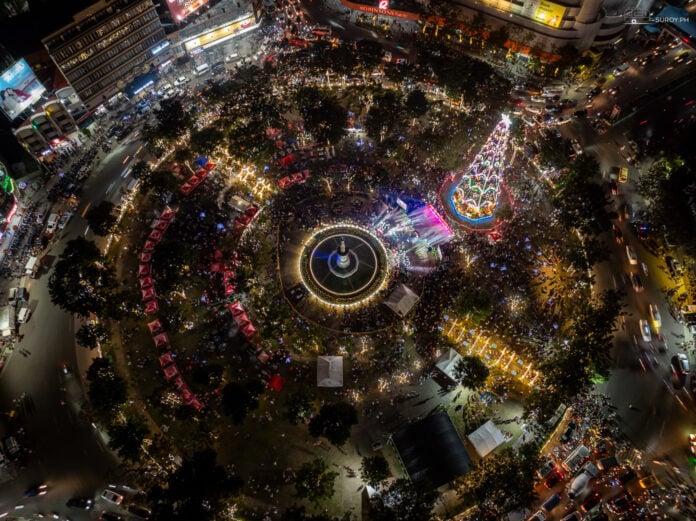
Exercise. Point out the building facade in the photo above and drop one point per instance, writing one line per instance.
(105, 47)
(47, 129)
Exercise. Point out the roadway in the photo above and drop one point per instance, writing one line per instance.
(67, 452)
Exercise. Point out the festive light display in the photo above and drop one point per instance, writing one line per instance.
(475, 197)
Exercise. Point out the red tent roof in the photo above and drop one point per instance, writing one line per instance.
(167, 215)
(145, 257)
(145, 282)
(166, 359)
(155, 326)
(151, 307)
(156, 236)
(249, 330)
(148, 293)
(149, 246)
(196, 404)
(143, 269)
(276, 382)
(186, 188)
(171, 371)
(161, 340)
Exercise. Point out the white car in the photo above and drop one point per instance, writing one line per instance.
(645, 330)
(631, 254)
(112, 497)
(64, 220)
(181, 80)
(655, 316)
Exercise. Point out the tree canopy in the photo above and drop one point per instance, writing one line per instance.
(127, 436)
(81, 281)
(107, 390)
(403, 500)
(471, 372)
(91, 335)
(334, 422)
(314, 481)
(101, 218)
(323, 115)
(239, 398)
(374, 470)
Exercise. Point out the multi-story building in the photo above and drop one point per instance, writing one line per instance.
(47, 128)
(105, 47)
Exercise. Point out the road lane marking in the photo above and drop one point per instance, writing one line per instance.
(84, 212)
(86, 230)
(110, 187)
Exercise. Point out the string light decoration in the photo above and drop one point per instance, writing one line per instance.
(475, 197)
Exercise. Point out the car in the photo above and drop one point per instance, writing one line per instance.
(112, 497)
(539, 515)
(596, 91)
(620, 503)
(551, 503)
(681, 57)
(181, 80)
(591, 502)
(110, 516)
(64, 220)
(623, 175)
(649, 482)
(655, 316)
(568, 434)
(51, 224)
(573, 516)
(546, 469)
(613, 187)
(86, 503)
(613, 91)
(621, 69)
(631, 254)
(139, 511)
(618, 235)
(680, 367)
(645, 330)
(637, 283)
(582, 113)
(37, 489)
(553, 479)
(567, 103)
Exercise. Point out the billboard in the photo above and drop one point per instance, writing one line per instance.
(549, 13)
(19, 89)
(180, 9)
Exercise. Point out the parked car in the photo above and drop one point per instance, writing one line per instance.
(680, 367)
(86, 503)
(553, 479)
(637, 283)
(620, 503)
(548, 467)
(591, 502)
(112, 497)
(618, 235)
(613, 187)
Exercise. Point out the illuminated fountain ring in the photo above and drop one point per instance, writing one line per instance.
(343, 265)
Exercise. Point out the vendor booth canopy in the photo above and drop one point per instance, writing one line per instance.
(151, 307)
(330, 371)
(447, 363)
(401, 300)
(171, 372)
(161, 340)
(155, 326)
(166, 359)
(276, 382)
(486, 438)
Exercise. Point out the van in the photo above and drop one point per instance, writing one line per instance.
(551, 503)
(621, 69)
(23, 315)
(579, 484)
(52, 224)
(41, 213)
(32, 267)
(553, 90)
(201, 69)
(573, 461)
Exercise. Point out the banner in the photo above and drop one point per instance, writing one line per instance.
(19, 89)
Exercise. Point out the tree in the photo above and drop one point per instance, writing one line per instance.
(416, 103)
(374, 470)
(107, 390)
(299, 513)
(199, 490)
(334, 422)
(384, 114)
(474, 302)
(239, 398)
(471, 372)
(101, 218)
(173, 120)
(404, 500)
(92, 334)
(503, 481)
(127, 436)
(323, 115)
(299, 405)
(314, 481)
(81, 281)
(206, 140)
(554, 151)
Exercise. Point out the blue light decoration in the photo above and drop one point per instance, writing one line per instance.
(476, 196)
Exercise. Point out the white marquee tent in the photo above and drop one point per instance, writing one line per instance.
(486, 438)
(330, 371)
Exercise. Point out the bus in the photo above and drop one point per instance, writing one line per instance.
(322, 30)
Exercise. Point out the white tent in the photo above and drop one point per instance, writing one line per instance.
(486, 438)
(447, 362)
(401, 300)
(7, 320)
(330, 371)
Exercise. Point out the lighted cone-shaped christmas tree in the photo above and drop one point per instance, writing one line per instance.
(476, 196)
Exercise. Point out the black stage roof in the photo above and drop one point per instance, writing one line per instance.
(432, 449)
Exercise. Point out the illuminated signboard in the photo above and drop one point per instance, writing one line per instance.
(549, 13)
(180, 9)
(19, 89)
(219, 35)
(384, 4)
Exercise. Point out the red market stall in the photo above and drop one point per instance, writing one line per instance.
(148, 293)
(276, 383)
(145, 257)
(155, 236)
(151, 307)
(167, 215)
(161, 340)
(249, 330)
(143, 270)
(166, 359)
(149, 247)
(236, 309)
(145, 282)
(155, 327)
(186, 188)
(171, 372)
